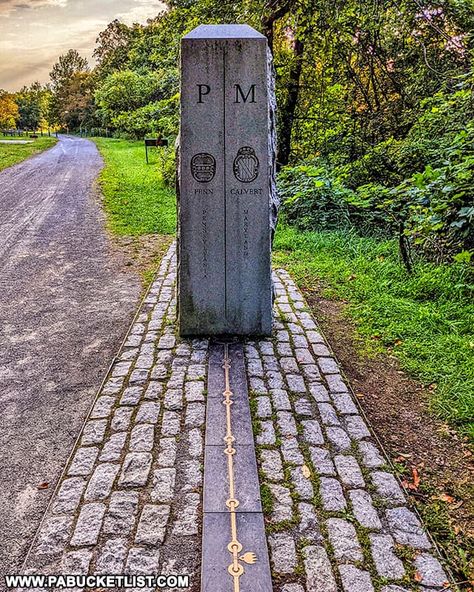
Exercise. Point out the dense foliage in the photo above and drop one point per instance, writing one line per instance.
(419, 188)
(375, 107)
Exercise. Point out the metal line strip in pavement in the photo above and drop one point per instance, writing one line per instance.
(234, 544)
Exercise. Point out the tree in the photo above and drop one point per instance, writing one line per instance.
(8, 110)
(67, 65)
(33, 105)
(113, 45)
(126, 91)
(77, 101)
(68, 78)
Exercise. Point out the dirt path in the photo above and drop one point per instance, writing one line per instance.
(66, 301)
(435, 461)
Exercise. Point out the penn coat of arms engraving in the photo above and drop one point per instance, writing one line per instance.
(203, 167)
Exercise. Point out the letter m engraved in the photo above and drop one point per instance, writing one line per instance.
(239, 94)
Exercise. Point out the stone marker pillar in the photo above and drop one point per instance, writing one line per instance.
(227, 199)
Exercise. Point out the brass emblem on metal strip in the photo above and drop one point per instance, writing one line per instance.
(236, 569)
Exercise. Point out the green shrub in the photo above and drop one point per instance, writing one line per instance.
(313, 199)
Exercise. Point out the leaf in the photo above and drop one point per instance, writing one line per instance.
(444, 497)
(416, 477)
(306, 472)
(43, 485)
(413, 486)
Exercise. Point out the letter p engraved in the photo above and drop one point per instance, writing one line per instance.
(203, 90)
(239, 94)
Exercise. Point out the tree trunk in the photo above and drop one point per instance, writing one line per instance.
(286, 114)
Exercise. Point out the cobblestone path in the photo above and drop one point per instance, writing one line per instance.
(130, 498)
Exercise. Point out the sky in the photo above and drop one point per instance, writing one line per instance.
(34, 33)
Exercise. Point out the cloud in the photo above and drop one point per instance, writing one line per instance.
(37, 32)
(141, 11)
(9, 6)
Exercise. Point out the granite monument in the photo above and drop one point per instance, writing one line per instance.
(226, 182)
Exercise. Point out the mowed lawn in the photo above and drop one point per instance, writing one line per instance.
(11, 153)
(136, 199)
(426, 319)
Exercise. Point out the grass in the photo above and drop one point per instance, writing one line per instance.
(426, 319)
(136, 200)
(11, 153)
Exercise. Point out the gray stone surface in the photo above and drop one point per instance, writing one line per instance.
(215, 555)
(406, 528)
(112, 556)
(102, 407)
(165, 512)
(282, 553)
(338, 439)
(430, 570)
(357, 427)
(292, 588)
(364, 510)
(312, 432)
(387, 488)
(83, 461)
(76, 562)
(291, 451)
(216, 483)
(370, 455)
(344, 403)
(142, 561)
(113, 447)
(344, 540)
(135, 469)
(286, 423)
(272, 465)
(281, 401)
(388, 565)
(319, 575)
(148, 412)
(101, 482)
(163, 485)
(88, 524)
(141, 439)
(309, 525)
(301, 483)
(69, 495)
(355, 580)
(151, 528)
(120, 517)
(267, 433)
(119, 468)
(332, 495)
(349, 471)
(54, 535)
(167, 452)
(322, 462)
(282, 503)
(121, 419)
(264, 407)
(328, 414)
(225, 191)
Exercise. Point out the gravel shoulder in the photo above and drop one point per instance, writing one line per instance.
(66, 302)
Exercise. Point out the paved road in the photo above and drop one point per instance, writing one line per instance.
(65, 304)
